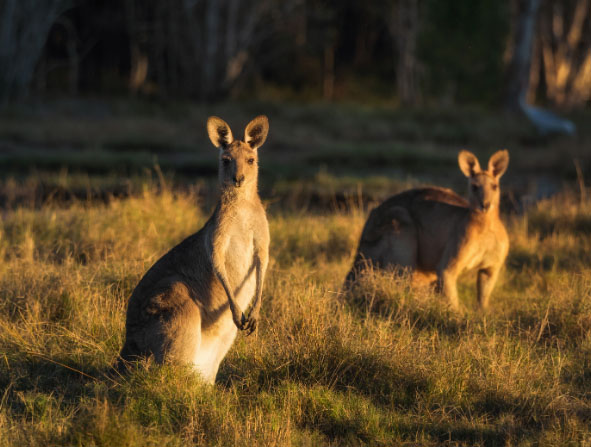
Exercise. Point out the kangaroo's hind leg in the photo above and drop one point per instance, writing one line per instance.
(486, 280)
(389, 240)
(173, 334)
(399, 241)
(215, 351)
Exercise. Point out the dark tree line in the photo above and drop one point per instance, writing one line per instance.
(24, 28)
(414, 50)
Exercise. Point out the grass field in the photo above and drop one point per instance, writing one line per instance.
(380, 365)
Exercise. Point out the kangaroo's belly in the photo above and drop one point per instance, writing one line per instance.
(438, 239)
(240, 269)
(431, 249)
(213, 348)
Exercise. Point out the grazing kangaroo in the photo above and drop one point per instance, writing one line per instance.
(435, 233)
(188, 306)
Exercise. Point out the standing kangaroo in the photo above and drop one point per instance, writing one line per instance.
(434, 231)
(189, 306)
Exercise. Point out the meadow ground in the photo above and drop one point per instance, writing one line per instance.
(380, 365)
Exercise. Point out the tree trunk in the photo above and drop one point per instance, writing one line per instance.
(566, 52)
(212, 17)
(24, 27)
(403, 27)
(518, 72)
(328, 73)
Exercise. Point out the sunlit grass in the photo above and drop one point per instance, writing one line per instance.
(382, 364)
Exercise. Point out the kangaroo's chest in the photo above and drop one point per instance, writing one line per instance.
(240, 253)
(239, 262)
(489, 248)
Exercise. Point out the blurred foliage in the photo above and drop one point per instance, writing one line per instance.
(307, 49)
(461, 47)
(382, 51)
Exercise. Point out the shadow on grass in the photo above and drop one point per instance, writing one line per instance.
(454, 434)
(392, 297)
(343, 418)
(579, 224)
(31, 379)
(564, 259)
(552, 326)
(332, 365)
(577, 376)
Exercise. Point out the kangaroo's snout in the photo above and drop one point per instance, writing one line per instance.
(483, 205)
(486, 206)
(238, 180)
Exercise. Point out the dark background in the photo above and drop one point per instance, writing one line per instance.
(96, 93)
(425, 52)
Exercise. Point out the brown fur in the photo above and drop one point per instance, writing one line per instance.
(188, 306)
(434, 233)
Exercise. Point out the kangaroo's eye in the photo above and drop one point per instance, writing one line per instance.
(250, 161)
(226, 160)
(474, 188)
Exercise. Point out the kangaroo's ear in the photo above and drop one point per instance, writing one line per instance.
(256, 132)
(497, 165)
(219, 132)
(468, 163)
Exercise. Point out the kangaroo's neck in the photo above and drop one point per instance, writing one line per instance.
(230, 209)
(485, 218)
(231, 197)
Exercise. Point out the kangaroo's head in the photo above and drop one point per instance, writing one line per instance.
(484, 191)
(238, 167)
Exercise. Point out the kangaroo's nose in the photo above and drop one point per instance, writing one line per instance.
(238, 180)
(486, 206)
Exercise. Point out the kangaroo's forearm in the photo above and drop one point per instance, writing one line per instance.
(219, 245)
(260, 277)
(221, 276)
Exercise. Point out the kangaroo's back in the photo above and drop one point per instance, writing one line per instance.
(409, 227)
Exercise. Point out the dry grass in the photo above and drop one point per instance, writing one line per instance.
(381, 365)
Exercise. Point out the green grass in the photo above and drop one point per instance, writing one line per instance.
(381, 365)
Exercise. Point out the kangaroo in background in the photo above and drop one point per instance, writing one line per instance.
(190, 304)
(436, 234)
